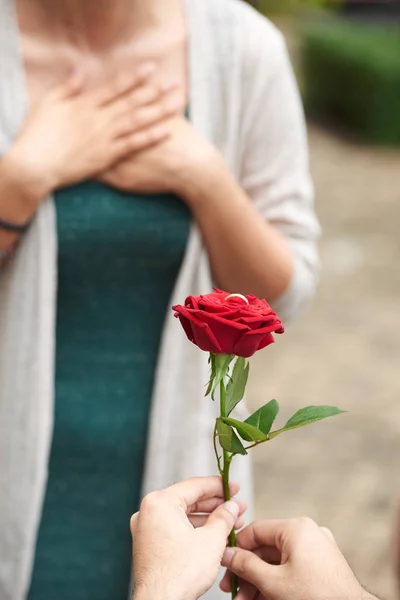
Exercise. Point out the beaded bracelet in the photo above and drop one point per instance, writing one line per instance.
(13, 226)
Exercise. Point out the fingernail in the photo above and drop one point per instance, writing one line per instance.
(233, 508)
(228, 555)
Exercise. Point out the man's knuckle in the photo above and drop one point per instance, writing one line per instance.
(305, 528)
(222, 522)
(151, 501)
(305, 523)
(133, 522)
(328, 532)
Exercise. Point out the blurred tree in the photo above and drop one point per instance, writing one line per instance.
(351, 74)
(268, 7)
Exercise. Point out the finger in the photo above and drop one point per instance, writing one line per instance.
(223, 519)
(131, 119)
(207, 506)
(151, 93)
(247, 591)
(269, 532)
(133, 523)
(248, 566)
(268, 554)
(139, 141)
(200, 520)
(218, 499)
(328, 533)
(192, 491)
(123, 84)
(225, 583)
(109, 178)
(72, 87)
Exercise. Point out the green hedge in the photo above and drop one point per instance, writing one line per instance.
(283, 7)
(351, 73)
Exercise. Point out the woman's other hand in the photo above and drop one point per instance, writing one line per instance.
(179, 537)
(166, 167)
(73, 134)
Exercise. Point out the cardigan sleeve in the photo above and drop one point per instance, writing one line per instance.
(274, 155)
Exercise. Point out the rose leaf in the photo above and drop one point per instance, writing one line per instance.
(306, 416)
(222, 362)
(264, 417)
(237, 384)
(247, 432)
(228, 439)
(211, 361)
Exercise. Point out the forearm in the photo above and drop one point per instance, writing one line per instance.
(367, 596)
(247, 254)
(161, 591)
(20, 195)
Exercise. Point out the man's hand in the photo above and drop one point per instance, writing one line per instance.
(179, 537)
(290, 560)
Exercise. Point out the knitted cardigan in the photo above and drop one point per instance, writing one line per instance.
(244, 99)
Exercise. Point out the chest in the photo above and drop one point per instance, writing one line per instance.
(47, 65)
(96, 220)
(114, 246)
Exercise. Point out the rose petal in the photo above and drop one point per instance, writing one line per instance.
(187, 326)
(266, 341)
(197, 331)
(222, 324)
(251, 342)
(264, 325)
(228, 333)
(205, 339)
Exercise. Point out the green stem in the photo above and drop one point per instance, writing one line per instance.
(216, 449)
(257, 443)
(227, 459)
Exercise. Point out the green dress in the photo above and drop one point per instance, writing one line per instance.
(119, 256)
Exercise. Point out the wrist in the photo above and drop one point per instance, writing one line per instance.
(31, 184)
(367, 596)
(196, 178)
(159, 593)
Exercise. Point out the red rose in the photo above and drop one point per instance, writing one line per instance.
(224, 323)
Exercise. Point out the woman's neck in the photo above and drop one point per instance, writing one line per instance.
(96, 25)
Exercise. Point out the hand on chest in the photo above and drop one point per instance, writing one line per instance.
(119, 118)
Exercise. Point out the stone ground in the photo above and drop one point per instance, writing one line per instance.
(345, 351)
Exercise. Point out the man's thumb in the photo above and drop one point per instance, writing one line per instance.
(250, 567)
(223, 518)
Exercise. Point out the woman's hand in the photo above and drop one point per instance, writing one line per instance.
(74, 134)
(177, 551)
(167, 167)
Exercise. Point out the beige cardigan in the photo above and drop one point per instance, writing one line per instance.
(244, 99)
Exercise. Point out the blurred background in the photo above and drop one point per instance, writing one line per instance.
(345, 472)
